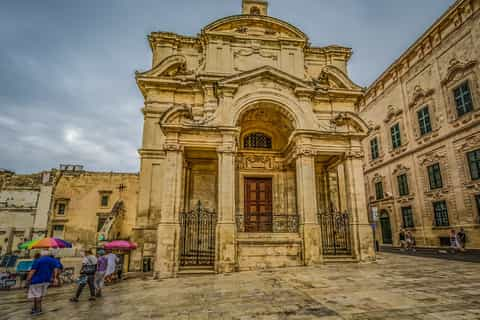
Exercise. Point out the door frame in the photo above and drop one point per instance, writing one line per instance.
(383, 213)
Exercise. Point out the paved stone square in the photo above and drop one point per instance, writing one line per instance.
(395, 287)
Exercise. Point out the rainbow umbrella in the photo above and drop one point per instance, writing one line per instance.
(27, 245)
(120, 244)
(47, 243)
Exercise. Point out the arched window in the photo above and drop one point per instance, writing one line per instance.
(255, 11)
(257, 140)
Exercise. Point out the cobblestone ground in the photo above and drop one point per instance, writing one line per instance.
(395, 287)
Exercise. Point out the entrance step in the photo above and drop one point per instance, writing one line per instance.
(339, 259)
(195, 271)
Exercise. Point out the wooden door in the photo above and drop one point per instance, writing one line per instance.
(258, 205)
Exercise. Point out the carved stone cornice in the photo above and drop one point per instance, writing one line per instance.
(457, 67)
(173, 147)
(354, 155)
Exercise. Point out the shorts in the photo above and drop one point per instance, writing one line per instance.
(38, 290)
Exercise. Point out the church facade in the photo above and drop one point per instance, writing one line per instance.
(251, 155)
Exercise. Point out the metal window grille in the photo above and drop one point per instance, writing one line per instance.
(257, 140)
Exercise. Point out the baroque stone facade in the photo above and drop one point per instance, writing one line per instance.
(423, 112)
(252, 124)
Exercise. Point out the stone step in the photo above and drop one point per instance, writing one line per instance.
(195, 271)
(339, 259)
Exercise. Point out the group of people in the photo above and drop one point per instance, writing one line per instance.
(458, 240)
(94, 272)
(407, 241)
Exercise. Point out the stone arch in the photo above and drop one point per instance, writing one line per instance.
(284, 104)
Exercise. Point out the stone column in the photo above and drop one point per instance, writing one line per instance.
(307, 207)
(226, 239)
(168, 231)
(362, 235)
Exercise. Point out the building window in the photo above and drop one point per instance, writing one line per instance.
(424, 121)
(463, 99)
(61, 208)
(104, 200)
(396, 138)
(101, 222)
(474, 164)
(441, 214)
(407, 215)
(257, 141)
(403, 185)
(379, 190)
(435, 176)
(57, 231)
(374, 148)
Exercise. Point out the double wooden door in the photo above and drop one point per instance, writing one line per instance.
(258, 205)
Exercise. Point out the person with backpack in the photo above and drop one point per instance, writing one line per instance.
(87, 276)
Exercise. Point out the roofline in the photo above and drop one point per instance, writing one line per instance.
(411, 48)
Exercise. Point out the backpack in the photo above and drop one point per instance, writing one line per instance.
(89, 268)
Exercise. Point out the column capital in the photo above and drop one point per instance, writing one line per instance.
(226, 149)
(175, 147)
(354, 155)
(303, 151)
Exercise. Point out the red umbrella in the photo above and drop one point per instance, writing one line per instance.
(120, 244)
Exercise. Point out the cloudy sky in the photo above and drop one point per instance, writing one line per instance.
(68, 94)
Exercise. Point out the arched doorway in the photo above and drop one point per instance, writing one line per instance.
(386, 227)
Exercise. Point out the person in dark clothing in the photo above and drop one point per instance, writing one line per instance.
(87, 276)
(401, 238)
(461, 239)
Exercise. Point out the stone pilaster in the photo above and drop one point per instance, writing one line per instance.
(307, 207)
(168, 231)
(357, 208)
(226, 239)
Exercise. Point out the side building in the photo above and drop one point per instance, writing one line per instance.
(24, 206)
(91, 207)
(422, 168)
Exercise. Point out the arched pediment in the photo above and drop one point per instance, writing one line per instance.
(333, 77)
(255, 26)
(170, 66)
(353, 121)
(457, 68)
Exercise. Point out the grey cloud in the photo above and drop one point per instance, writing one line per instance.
(69, 65)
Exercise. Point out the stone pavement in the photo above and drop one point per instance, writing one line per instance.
(395, 287)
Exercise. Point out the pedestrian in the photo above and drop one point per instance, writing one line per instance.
(44, 269)
(101, 271)
(453, 240)
(111, 266)
(461, 239)
(408, 240)
(87, 276)
(119, 267)
(401, 237)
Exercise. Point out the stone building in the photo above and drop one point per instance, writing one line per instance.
(91, 207)
(251, 148)
(422, 168)
(24, 206)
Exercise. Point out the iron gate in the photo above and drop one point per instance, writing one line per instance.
(197, 237)
(336, 238)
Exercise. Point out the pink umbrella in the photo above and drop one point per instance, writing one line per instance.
(120, 244)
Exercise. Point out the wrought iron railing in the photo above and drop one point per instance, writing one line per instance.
(197, 237)
(276, 223)
(336, 233)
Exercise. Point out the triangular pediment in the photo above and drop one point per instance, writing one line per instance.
(265, 72)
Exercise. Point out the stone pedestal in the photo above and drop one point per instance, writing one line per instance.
(167, 250)
(226, 251)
